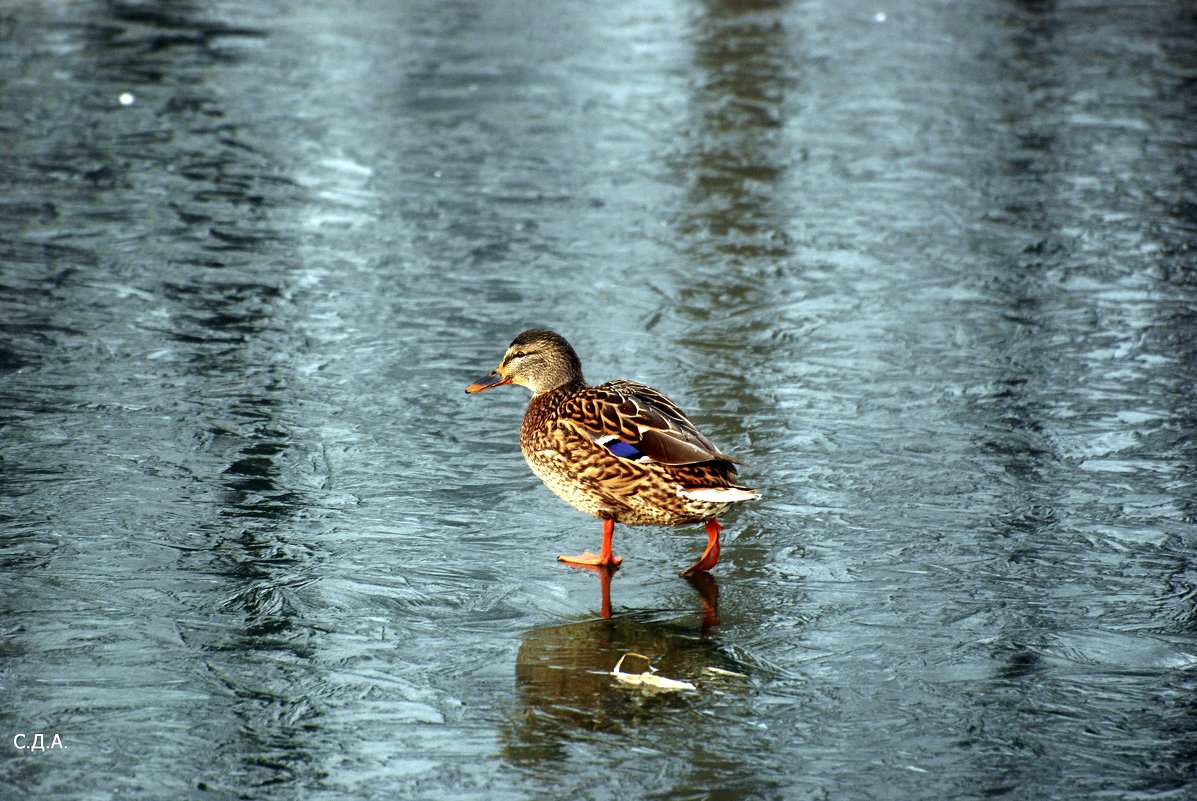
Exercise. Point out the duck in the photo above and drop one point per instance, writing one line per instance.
(620, 451)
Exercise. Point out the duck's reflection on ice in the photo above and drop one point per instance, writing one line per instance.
(564, 681)
(702, 582)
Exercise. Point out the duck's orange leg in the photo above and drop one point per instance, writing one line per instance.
(604, 558)
(710, 557)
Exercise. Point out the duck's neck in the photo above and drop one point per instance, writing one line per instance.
(574, 384)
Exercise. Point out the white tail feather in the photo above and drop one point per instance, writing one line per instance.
(717, 494)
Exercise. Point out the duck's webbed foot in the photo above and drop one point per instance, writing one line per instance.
(604, 558)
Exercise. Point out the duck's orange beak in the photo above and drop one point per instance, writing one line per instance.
(495, 379)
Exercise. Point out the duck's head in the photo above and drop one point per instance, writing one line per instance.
(537, 359)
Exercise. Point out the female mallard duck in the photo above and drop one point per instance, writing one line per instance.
(620, 451)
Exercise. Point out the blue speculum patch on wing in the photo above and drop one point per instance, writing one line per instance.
(623, 449)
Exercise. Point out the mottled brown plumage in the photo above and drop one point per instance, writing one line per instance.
(620, 451)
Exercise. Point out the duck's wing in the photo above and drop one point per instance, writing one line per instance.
(634, 421)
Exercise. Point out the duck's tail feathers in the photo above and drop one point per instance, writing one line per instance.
(718, 494)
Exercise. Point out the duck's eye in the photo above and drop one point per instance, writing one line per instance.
(519, 354)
